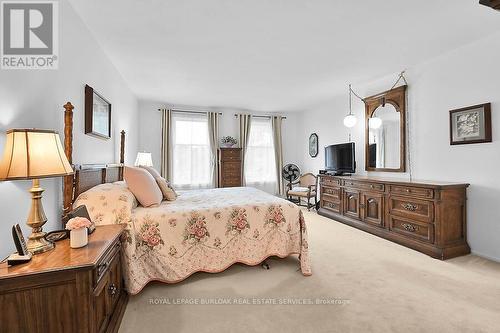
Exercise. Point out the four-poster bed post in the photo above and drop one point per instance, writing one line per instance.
(86, 176)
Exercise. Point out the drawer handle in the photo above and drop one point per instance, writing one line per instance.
(112, 289)
(408, 190)
(101, 268)
(409, 227)
(409, 206)
(372, 186)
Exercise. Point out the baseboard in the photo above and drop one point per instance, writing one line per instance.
(485, 256)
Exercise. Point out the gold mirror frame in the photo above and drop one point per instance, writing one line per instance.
(396, 97)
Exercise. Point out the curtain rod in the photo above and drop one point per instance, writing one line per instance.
(257, 116)
(220, 113)
(189, 111)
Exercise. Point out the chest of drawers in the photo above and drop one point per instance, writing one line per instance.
(230, 161)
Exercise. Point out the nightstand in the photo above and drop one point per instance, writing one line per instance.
(67, 290)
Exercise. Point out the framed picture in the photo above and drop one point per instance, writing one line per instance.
(313, 145)
(97, 114)
(470, 125)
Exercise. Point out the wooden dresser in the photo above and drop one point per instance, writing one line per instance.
(429, 217)
(66, 290)
(230, 160)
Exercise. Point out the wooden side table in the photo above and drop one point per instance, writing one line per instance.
(66, 290)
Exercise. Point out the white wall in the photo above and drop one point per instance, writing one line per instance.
(467, 76)
(150, 128)
(34, 98)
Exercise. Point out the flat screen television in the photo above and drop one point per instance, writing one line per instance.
(340, 158)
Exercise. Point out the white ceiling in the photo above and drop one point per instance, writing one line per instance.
(273, 55)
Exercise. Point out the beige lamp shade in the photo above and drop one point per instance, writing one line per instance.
(33, 154)
(144, 159)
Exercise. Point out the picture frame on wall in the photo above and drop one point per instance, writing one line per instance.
(471, 124)
(313, 145)
(97, 114)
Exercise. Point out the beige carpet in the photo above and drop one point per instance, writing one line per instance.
(381, 287)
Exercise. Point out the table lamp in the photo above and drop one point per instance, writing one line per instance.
(31, 154)
(143, 159)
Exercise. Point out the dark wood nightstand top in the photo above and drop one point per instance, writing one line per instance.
(63, 257)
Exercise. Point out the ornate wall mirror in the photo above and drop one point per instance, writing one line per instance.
(385, 131)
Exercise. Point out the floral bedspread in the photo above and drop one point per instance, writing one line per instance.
(209, 230)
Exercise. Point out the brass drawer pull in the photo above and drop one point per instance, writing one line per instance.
(409, 227)
(409, 206)
(101, 268)
(112, 289)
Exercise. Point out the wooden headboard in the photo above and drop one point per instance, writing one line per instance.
(86, 176)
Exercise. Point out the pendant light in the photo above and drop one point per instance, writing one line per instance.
(350, 120)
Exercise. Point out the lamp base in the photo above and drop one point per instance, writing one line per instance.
(36, 219)
(38, 244)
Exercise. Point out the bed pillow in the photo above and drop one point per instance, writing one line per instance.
(152, 171)
(165, 187)
(143, 186)
(168, 193)
(110, 203)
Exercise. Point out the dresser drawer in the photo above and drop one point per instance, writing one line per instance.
(364, 185)
(231, 182)
(331, 193)
(331, 205)
(414, 209)
(426, 193)
(105, 263)
(230, 154)
(232, 175)
(231, 167)
(328, 181)
(421, 231)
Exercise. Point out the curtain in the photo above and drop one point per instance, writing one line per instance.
(260, 161)
(191, 152)
(166, 144)
(276, 122)
(213, 135)
(245, 121)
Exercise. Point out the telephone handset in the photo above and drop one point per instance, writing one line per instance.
(22, 255)
(17, 234)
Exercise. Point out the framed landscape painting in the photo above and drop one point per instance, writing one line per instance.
(470, 125)
(97, 114)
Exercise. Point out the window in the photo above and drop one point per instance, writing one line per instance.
(260, 164)
(191, 151)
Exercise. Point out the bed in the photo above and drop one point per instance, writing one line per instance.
(201, 231)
